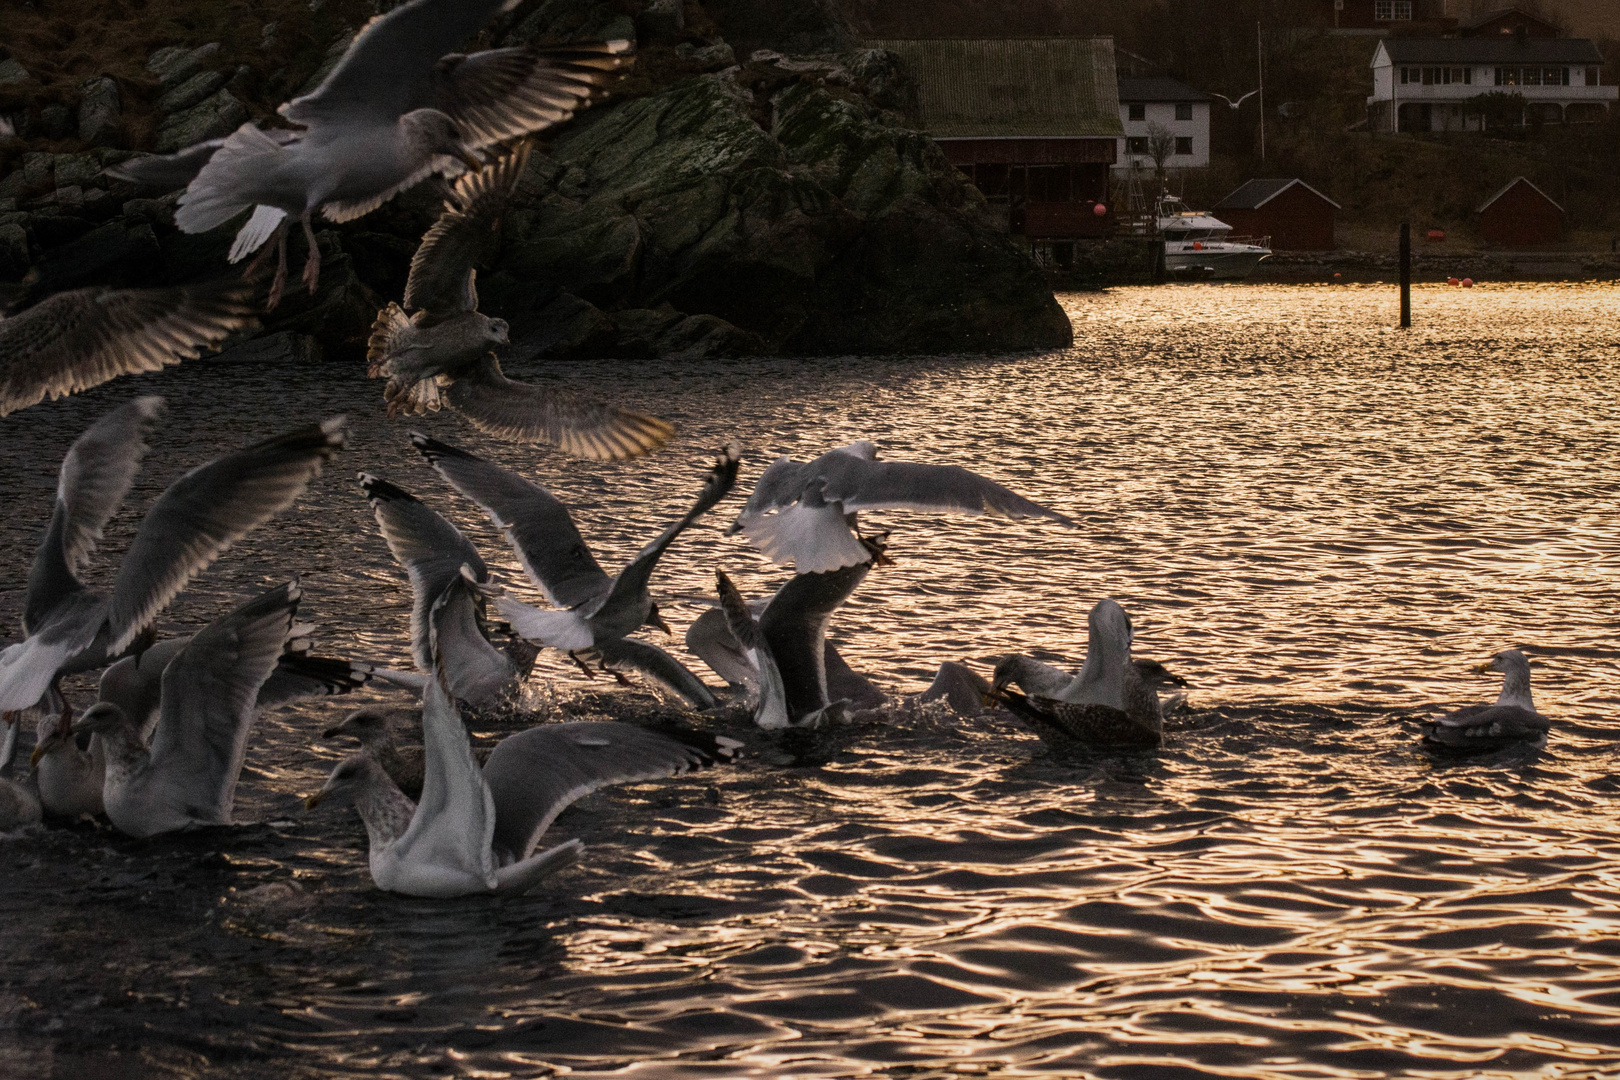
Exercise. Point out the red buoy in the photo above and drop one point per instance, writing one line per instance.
(1436, 235)
(1452, 281)
(1468, 283)
(1099, 209)
(1337, 274)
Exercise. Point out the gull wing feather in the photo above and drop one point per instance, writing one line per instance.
(501, 94)
(858, 483)
(771, 706)
(476, 671)
(794, 626)
(711, 640)
(536, 524)
(446, 848)
(722, 476)
(431, 550)
(95, 477)
(563, 629)
(210, 697)
(578, 424)
(28, 667)
(536, 774)
(1485, 727)
(299, 675)
(658, 666)
(390, 68)
(464, 236)
(206, 511)
(812, 539)
(75, 340)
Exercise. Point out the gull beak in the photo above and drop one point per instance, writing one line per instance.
(472, 163)
(1483, 669)
(40, 750)
(332, 732)
(314, 800)
(993, 698)
(658, 621)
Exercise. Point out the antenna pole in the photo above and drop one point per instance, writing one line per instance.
(1260, 56)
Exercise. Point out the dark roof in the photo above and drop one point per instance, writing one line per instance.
(1509, 186)
(1493, 49)
(1157, 88)
(1009, 87)
(1256, 193)
(1486, 20)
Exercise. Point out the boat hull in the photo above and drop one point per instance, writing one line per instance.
(1210, 264)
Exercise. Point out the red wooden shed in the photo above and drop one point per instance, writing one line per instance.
(1520, 216)
(1295, 215)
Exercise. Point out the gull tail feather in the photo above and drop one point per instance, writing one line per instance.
(225, 186)
(520, 877)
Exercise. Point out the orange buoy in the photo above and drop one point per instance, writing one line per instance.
(1099, 209)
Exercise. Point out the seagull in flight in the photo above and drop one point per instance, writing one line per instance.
(1236, 103)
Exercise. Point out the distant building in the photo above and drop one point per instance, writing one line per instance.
(1428, 84)
(1034, 122)
(1295, 215)
(1520, 216)
(1387, 16)
(1181, 113)
(1509, 21)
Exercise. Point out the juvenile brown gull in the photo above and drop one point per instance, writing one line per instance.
(75, 340)
(803, 514)
(1512, 721)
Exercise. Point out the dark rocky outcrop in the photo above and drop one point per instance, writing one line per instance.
(782, 205)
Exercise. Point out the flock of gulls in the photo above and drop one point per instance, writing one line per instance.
(162, 747)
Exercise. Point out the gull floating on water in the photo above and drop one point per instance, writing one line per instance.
(594, 612)
(71, 629)
(786, 647)
(1112, 702)
(374, 729)
(1512, 721)
(397, 108)
(19, 801)
(75, 340)
(448, 575)
(440, 354)
(804, 514)
(187, 775)
(475, 830)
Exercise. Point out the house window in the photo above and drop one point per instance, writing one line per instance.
(1555, 77)
(1138, 111)
(1506, 76)
(1184, 145)
(1184, 110)
(1136, 144)
(1392, 10)
(1591, 76)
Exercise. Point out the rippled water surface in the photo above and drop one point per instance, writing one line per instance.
(1321, 521)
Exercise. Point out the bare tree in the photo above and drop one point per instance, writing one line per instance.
(1161, 144)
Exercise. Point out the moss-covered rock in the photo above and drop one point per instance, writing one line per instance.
(830, 227)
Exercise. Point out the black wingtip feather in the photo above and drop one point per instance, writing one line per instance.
(379, 490)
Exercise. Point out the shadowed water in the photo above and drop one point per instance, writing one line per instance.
(1321, 521)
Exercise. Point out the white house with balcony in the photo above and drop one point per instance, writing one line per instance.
(1428, 84)
(1166, 109)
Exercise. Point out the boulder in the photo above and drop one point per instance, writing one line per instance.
(80, 169)
(56, 121)
(836, 230)
(177, 63)
(12, 72)
(13, 252)
(101, 121)
(565, 328)
(118, 252)
(190, 92)
(217, 115)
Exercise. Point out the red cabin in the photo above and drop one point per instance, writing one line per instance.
(1295, 215)
(1520, 216)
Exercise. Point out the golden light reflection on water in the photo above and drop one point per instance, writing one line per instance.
(1322, 521)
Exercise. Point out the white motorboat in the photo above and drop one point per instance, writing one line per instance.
(1199, 245)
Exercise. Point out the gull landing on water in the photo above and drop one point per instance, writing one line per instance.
(803, 514)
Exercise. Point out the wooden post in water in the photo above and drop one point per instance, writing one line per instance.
(1406, 275)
